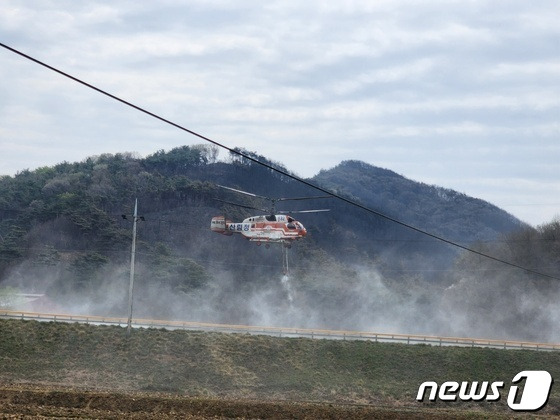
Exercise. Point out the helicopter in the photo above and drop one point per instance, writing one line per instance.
(274, 227)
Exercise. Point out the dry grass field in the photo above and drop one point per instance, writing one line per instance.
(82, 371)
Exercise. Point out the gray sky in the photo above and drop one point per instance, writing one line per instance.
(461, 94)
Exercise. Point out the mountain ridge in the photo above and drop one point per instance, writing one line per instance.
(62, 234)
(88, 192)
(376, 187)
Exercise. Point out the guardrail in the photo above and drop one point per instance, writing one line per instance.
(285, 332)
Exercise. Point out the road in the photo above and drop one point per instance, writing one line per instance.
(285, 332)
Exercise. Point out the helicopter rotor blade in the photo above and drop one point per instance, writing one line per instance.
(302, 198)
(244, 192)
(304, 211)
(274, 199)
(240, 205)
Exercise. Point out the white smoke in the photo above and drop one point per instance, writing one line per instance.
(286, 284)
(493, 306)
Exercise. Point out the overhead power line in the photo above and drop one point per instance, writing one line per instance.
(278, 170)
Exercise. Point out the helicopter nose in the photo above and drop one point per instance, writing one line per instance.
(303, 231)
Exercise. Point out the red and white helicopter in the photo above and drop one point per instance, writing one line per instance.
(276, 227)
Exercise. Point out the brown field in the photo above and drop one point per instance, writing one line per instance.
(28, 401)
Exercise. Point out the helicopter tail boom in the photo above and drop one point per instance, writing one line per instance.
(219, 224)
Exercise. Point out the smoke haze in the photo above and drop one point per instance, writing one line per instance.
(478, 303)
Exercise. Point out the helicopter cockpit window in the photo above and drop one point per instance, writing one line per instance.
(291, 225)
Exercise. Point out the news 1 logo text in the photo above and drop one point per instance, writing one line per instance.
(534, 395)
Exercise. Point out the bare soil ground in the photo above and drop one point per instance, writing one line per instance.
(44, 402)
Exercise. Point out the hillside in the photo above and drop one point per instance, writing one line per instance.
(92, 193)
(62, 234)
(437, 210)
(443, 212)
(256, 368)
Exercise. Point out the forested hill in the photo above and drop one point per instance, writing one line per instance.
(77, 206)
(82, 203)
(62, 233)
(438, 210)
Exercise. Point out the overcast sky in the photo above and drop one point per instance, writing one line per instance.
(461, 94)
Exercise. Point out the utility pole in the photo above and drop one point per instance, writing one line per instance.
(132, 255)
